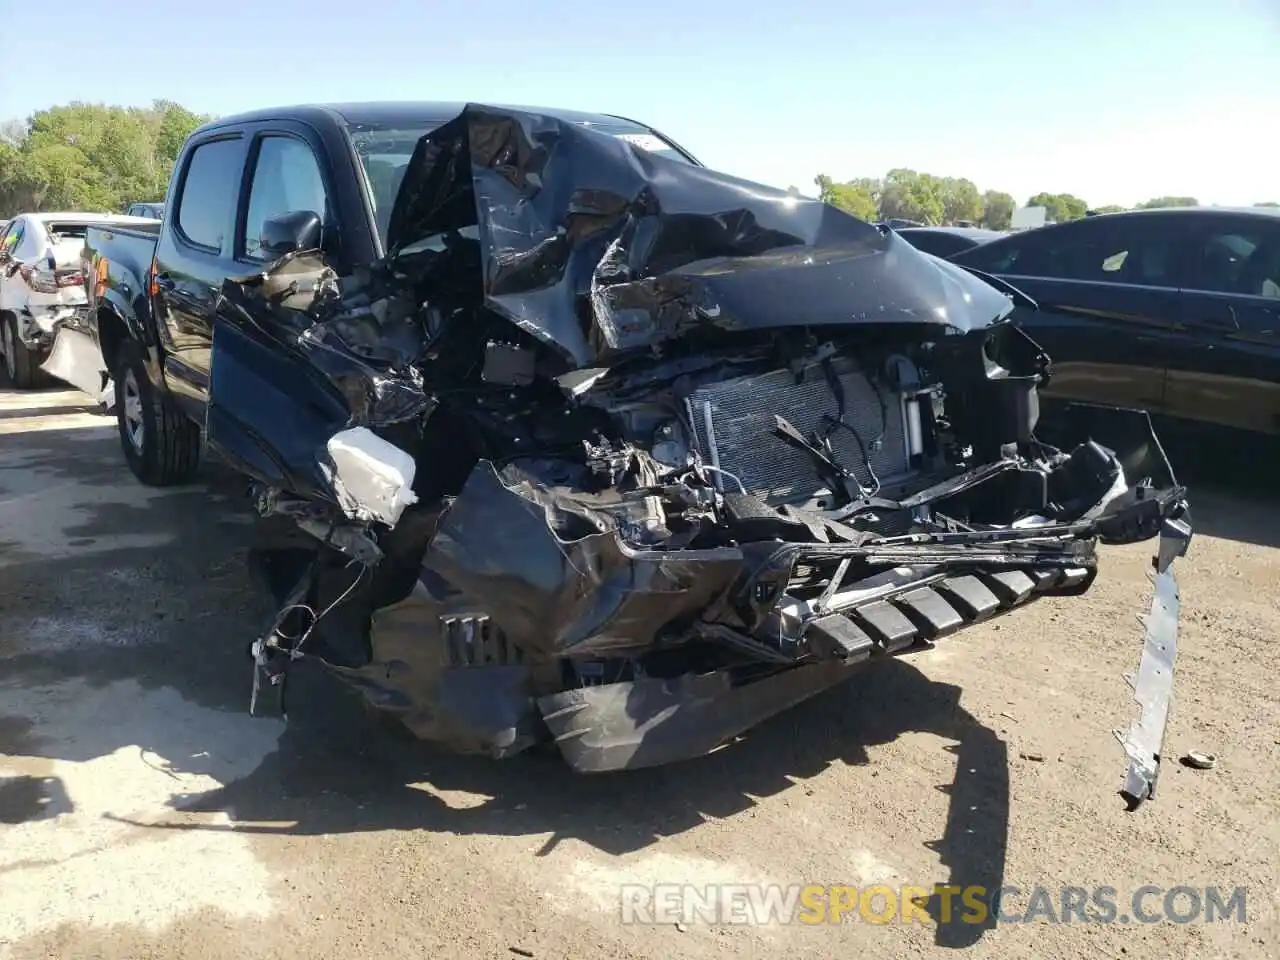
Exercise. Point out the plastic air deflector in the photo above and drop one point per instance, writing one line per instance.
(887, 625)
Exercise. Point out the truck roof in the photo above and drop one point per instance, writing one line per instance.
(79, 216)
(394, 112)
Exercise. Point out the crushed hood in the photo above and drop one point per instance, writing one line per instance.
(599, 248)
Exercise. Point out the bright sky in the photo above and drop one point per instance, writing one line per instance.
(1115, 102)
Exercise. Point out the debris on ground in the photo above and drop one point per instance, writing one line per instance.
(1200, 761)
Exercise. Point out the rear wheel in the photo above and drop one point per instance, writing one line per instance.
(161, 445)
(21, 363)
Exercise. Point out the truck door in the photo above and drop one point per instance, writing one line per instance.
(193, 256)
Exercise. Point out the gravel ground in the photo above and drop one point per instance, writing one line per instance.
(144, 814)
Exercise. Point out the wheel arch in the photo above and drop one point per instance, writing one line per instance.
(112, 332)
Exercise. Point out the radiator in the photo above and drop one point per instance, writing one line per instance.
(733, 425)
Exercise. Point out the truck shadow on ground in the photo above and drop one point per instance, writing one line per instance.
(333, 774)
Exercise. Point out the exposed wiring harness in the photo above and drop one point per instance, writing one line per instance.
(838, 421)
(294, 651)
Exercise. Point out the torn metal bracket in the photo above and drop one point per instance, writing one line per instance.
(272, 653)
(836, 580)
(1153, 684)
(266, 697)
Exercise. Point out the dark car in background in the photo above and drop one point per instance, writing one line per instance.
(154, 211)
(947, 241)
(1175, 311)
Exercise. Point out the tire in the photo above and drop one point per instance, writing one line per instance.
(21, 363)
(161, 446)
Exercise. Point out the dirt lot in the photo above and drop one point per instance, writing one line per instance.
(144, 814)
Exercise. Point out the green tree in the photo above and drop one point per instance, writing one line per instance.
(960, 199)
(1267, 203)
(997, 210)
(176, 124)
(1159, 202)
(1060, 207)
(912, 196)
(1109, 208)
(84, 156)
(854, 197)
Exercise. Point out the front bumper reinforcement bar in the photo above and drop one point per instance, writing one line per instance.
(1153, 684)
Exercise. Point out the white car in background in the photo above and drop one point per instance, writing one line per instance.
(42, 287)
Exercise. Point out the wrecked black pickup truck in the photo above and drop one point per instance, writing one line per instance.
(609, 451)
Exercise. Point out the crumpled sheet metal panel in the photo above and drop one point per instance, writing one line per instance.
(270, 411)
(599, 248)
(556, 586)
(350, 329)
(485, 709)
(289, 370)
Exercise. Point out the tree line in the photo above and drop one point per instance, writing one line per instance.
(92, 157)
(85, 156)
(910, 195)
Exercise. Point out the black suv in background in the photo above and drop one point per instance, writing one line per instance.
(1176, 311)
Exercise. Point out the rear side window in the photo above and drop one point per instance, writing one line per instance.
(209, 192)
(286, 179)
(1243, 259)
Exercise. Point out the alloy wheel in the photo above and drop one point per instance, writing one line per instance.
(132, 412)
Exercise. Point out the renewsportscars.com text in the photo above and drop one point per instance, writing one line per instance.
(814, 904)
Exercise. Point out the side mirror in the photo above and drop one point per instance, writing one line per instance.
(290, 232)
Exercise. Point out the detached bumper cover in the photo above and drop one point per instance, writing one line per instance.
(77, 359)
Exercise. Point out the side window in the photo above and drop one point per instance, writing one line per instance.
(1074, 252)
(209, 192)
(1139, 250)
(286, 179)
(1243, 259)
(1142, 250)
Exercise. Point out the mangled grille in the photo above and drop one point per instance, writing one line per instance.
(733, 423)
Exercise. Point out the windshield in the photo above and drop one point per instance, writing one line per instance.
(384, 151)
